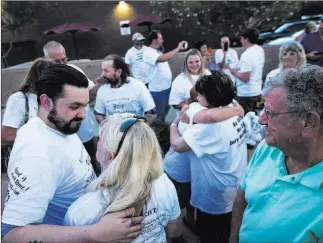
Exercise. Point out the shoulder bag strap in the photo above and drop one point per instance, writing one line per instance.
(26, 109)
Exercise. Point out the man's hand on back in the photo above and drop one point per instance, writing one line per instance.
(313, 56)
(116, 227)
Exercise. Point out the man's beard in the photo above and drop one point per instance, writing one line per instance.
(112, 81)
(160, 48)
(62, 125)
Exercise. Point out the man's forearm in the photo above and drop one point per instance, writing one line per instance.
(48, 233)
(238, 209)
(8, 141)
(165, 57)
(312, 57)
(173, 134)
(8, 135)
(244, 77)
(223, 60)
(215, 115)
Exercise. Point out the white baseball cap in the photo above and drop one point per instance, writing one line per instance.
(138, 37)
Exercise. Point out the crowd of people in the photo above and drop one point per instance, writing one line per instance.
(143, 174)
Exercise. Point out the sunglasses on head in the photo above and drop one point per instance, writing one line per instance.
(125, 126)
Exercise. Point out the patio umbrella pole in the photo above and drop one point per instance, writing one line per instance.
(75, 47)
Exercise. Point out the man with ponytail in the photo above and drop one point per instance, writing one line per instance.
(49, 169)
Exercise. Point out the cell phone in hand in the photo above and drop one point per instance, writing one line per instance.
(318, 53)
(226, 46)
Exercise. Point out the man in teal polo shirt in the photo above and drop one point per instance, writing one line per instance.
(281, 195)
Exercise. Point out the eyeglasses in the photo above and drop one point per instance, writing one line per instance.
(61, 61)
(270, 115)
(125, 126)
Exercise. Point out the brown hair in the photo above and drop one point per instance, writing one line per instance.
(34, 73)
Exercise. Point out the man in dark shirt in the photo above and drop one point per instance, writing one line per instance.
(313, 45)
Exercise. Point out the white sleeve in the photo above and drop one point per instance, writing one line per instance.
(177, 94)
(146, 100)
(173, 207)
(32, 185)
(127, 58)
(235, 59)
(14, 114)
(245, 64)
(218, 57)
(204, 140)
(99, 104)
(150, 56)
(86, 210)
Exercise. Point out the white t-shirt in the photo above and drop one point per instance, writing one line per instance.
(158, 74)
(177, 165)
(182, 86)
(132, 97)
(86, 131)
(161, 208)
(134, 58)
(47, 172)
(218, 160)
(231, 59)
(14, 115)
(252, 60)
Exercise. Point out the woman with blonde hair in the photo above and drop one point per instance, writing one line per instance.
(132, 176)
(192, 71)
(291, 55)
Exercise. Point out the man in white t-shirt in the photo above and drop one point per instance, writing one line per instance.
(158, 72)
(218, 157)
(49, 168)
(226, 57)
(249, 71)
(56, 52)
(134, 58)
(121, 93)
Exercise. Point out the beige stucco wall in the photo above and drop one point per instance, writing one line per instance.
(12, 78)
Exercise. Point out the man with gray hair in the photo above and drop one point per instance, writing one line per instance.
(134, 58)
(55, 51)
(286, 170)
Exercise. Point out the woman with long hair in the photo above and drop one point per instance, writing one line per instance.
(132, 176)
(291, 55)
(192, 71)
(22, 105)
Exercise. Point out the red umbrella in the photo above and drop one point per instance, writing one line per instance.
(147, 21)
(71, 28)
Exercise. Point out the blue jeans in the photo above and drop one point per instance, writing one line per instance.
(161, 102)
